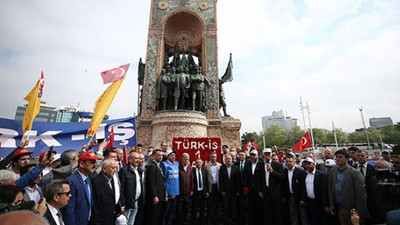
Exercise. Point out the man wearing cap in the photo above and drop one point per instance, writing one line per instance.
(172, 188)
(269, 181)
(79, 208)
(386, 156)
(293, 187)
(20, 158)
(313, 182)
(346, 190)
(255, 202)
(212, 169)
(332, 219)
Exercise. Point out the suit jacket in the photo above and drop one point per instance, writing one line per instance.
(353, 190)
(241, 173)
(275, 180)
(370, 172)
(155, 182)
(49, 217)
(104, 207)
(79, 205)
(229, 185)
(204, 174)
(250, 178)
(207, 167)
(298, 185)
(128, 186)
(318, 186)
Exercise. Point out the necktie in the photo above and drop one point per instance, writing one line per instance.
(119, 166)
(60, 220)
(200, 182)
(362, 169)
(89, 197)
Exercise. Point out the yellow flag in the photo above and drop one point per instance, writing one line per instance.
(101, 107)
(33, 107)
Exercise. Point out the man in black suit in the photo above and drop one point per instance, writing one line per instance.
(229, 186)
(367, 171)
(155, 188)
(250, 175)
(242, 198)
(314, 190)
(200, 193)
(293, 191)
(120, 158)
(104, 208)
(57, 197)
(269, 181)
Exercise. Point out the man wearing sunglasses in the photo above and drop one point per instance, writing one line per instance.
(57, 197)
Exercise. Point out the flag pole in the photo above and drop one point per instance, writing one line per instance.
(309, 121)
(302, 112)
(334, 134)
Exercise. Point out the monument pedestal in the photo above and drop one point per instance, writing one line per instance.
(183, 123)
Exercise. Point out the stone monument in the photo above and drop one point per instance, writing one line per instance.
(180, 92)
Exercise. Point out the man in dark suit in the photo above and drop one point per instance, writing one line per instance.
(155, 188)
(105, 209)
(229, 186)
(314, 183)
(255, 202)
(57, 197)
(131, 188)
(269, 181)
(293, 191)
(120, 157)
(79, 208)
(200, 193)
(367, 171)
(242, 198)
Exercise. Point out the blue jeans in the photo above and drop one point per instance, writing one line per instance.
(131, 214)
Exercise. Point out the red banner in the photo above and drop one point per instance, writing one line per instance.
(197, 147)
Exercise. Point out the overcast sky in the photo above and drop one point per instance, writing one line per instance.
(338, 55)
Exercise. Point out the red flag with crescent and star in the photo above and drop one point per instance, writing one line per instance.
(115, 74)
(305, 142)
(111, 138)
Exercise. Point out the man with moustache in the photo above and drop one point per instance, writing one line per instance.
(79, 208)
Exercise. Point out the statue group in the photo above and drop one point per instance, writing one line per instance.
(181, 84)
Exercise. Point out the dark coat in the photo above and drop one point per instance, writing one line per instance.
(104, 207)
(155, 182)
(128, 186)
(205, 180)
(298, 185)
(226, 184)
(49, 217)
(275, 180)
(250, 178)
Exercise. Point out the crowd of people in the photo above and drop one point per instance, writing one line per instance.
(251, 187)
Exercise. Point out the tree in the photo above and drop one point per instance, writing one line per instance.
(391, 134)
(253, 136)
(276, 135)
(356, 137)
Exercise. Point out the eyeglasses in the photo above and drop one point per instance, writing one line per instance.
(65, 193)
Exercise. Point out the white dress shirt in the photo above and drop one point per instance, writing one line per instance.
(33, 193)
(310, 184)
(290, 177)
(253, 167)
(138, 186)
(266, 173)
(198, 172)
(214, 170)
(54, 212)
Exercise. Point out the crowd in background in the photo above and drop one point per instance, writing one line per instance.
(251, 187)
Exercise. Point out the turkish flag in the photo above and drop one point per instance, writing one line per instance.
(305, 142)
(255, 145)
(247, 146)
(115, 74)
(111, 138)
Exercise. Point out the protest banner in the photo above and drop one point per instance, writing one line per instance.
(197, 147)
(64, 136)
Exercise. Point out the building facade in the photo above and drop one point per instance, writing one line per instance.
(279, 118)
(380, 122)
